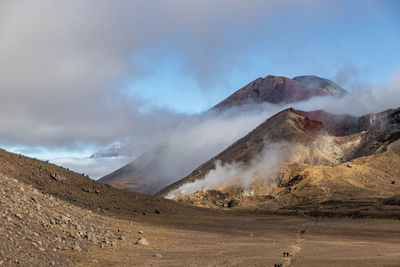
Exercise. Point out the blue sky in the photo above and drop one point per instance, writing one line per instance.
(79, 76)
(358, 37)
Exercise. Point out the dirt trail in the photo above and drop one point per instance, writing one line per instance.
(297, 246)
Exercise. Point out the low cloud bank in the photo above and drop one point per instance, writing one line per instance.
(182, 148)
(360, 100)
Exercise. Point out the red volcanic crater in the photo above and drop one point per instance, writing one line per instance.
(315, 121)
(338, 125)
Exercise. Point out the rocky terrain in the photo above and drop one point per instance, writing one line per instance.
(38, 229)
(80, 190)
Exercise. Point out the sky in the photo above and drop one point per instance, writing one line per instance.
(78, 76)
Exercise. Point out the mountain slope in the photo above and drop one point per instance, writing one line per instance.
(78, 189)
(308, 139)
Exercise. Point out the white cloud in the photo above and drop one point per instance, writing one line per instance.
(64, 63)
(95, 168)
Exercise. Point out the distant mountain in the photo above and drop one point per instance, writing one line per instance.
(115, 150)
(144, 174)
(277, 89)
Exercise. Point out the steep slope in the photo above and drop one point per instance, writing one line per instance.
(307, 139)
(80, 190)
(145, 175)
(276, 89)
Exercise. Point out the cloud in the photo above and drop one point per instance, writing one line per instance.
(95, 168)
(64, 64)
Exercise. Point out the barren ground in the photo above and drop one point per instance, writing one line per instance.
(228, 240)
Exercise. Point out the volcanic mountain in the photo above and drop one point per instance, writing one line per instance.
(145, 174)
(324, 157)
(276, 89)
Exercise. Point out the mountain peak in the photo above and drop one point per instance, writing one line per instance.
(114, 150)
(279, 89)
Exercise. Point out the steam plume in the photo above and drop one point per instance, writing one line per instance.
(265, 166)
